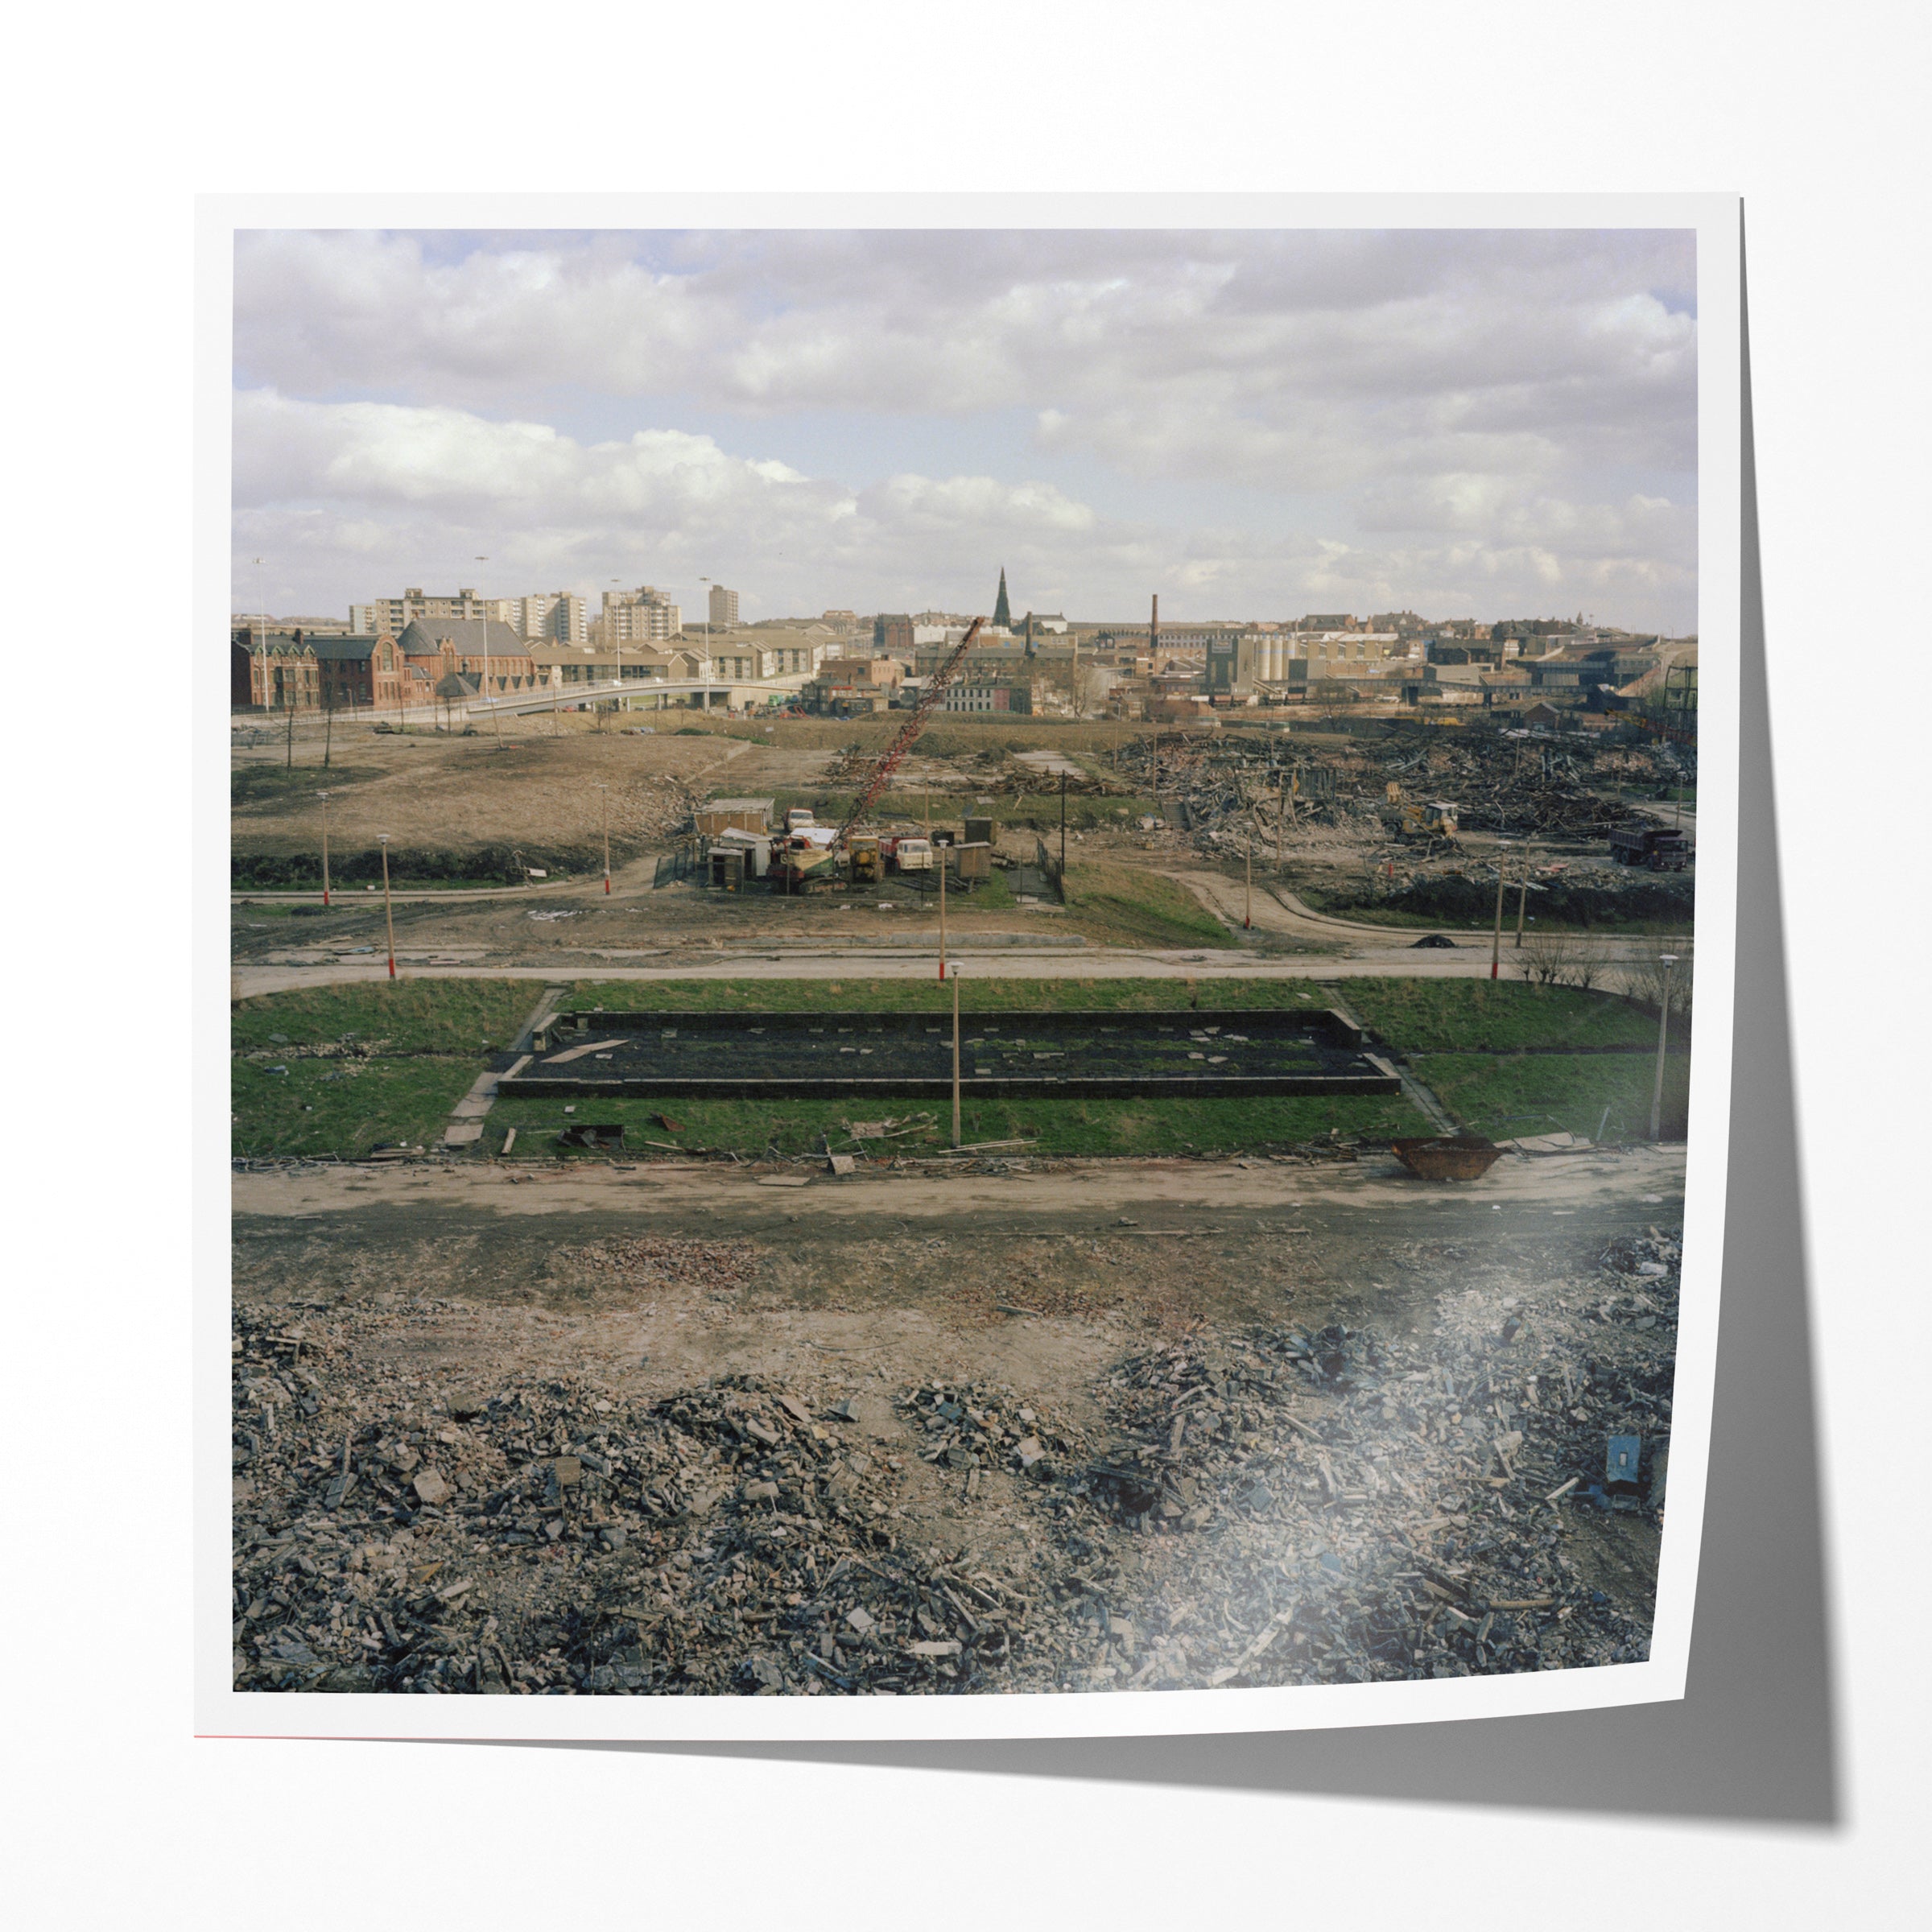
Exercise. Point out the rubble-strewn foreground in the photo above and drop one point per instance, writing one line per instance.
(1240, 1505)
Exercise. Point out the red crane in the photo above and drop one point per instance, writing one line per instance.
(895, 753)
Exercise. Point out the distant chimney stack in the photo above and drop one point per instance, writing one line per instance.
(1153, 628)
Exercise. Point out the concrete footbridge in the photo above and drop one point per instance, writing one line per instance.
(574, 697)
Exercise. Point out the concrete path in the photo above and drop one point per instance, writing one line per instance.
(465, 1127)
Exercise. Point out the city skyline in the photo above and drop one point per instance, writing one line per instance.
(1468, 424)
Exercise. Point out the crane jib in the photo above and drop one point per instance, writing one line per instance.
(895, 753)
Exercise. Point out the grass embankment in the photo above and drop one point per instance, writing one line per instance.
(420, 1044)
(1506, 1058)
(1509, 1059)
(1501, 1016)
(1123, 905)
(1502, 1095)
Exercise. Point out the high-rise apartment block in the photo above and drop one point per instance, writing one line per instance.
(395, 614)
(723, 607)
(644, 616)
(558, 615)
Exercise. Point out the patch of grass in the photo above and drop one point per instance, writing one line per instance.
(1505, 1094)
(1126, 905)
(461, 1017)
(259, 783)
(928, 996)
(1479, 1016)
(344, 1107)
(1069, 1127)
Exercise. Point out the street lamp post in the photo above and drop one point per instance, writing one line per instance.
(710, 667)
(939, 853)
(389, 923)
(616, 644)
(1248, 890)
(1522, 906)
(954, 976)
(324, 797)
(604, 797)
(1495, 944)
(1663, 1029)
(495, 719)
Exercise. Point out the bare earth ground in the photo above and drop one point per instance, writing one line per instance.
(1141, 1425)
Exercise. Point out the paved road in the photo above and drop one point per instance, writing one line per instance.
(829, 963)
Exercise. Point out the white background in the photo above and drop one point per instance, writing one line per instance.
(121, 1816)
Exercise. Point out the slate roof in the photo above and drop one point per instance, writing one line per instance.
(422, 637)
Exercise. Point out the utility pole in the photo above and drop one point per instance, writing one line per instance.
(289, 762)
(940, 853)
(1663, 1031)
(389, 922)
(1496, 945)
(1248, 901)
(604, 798)
(954, 976)
(1063, 828)
(1522, 906)
(324, 797)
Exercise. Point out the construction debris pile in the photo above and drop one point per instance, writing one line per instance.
(1506, 783)
(1267, 1505)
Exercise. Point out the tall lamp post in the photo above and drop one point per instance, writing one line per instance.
(495, 718)
(389, 923)
(1663, 1029)
(1247, 888)
(710, 668)
(603, 796)
(617, 646)
(324, 797)
(954, 976)
(1496, 945)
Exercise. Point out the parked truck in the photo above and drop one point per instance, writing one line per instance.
(1657, 846)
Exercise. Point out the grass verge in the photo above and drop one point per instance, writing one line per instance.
(1482, 1016)
(1505, 1094)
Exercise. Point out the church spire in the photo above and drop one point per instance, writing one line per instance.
(1002, 611)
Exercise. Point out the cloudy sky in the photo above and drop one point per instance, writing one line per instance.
(1254, 424)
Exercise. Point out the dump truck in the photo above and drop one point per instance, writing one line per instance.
(1657, 846)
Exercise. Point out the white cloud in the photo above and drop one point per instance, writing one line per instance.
(1510, 416)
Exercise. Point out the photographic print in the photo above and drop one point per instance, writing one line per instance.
(978, 967)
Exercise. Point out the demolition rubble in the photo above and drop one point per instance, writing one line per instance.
(1240, 1505)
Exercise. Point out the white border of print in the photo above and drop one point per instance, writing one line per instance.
(221, 1710)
